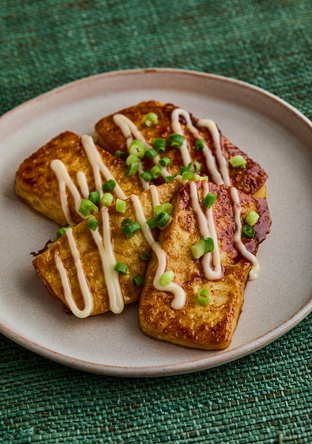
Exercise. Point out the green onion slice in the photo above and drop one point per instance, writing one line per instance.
(176, 140)
(132, 168)
(238, 161)
(62, 231)
(150, 154)
(203, 297)
(137, 148)
(165, 161)
(147, 176)
(202, 178)
(156, 172)
(131, 229)
(160, 145)
(121, 206)
(188, 175)
(209, 244)
(94, 196)
(139, 280)
(120, 154)
(198, 250)
(199, 145)
(87, 208)
(125, 223)
(160, 220)
(132, 158)
(166, 278)
(151, 119)
(184, 169)
(252, 218)
(248, 231)
(194, 166)
(167, 207)
(121, 267)
(170, 178)
(106, 199)
(92, 223)
(145, 255)
(209, 200)
(110, 185)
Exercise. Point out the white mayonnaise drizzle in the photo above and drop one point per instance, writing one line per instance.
(82, 182)
(178, 292)
(87, 297)
(104, 244)
(186, 158)
(129, 130)
(207, 229)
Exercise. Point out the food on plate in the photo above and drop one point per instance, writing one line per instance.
(186, 139)
(194, 297)
(56, 178)
(79, 269)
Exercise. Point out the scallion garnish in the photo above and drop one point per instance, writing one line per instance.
(132, 158)
(209, 244)
(92, 223)
(151, 119)
(119, 154)
(248, 231)
(188, 175)
(106, 199)
(170, 178)
(238, 161)
(202, 247)
(156, 172)
(62, 231)
(168, 207)
(120, 206)
(160, 220)
(165, 161)
(203, 297)
(209, 199)
(176, 140)
(87, 208)
(94, 196)
(199, 145)
(110, 185)
(166, 278)
(120, 267)
(131, 229)
(147, 176)
(139, 280)
(145, 255)
(132, 168)
(160, 145)
(194, 166)
(252, 218)
(137, 148)
(125, 223)
(150, 154)
(184, 169)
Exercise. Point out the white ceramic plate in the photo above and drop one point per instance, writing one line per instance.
(268, 129)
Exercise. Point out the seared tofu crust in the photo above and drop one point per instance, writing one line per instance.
(125, 250)
(250, 180)
(205, 327)
(38, 186)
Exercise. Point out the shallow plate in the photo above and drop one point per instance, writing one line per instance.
(268, 129)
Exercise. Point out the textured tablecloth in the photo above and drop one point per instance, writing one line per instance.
(265, 397)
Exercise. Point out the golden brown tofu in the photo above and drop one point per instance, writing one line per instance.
(125, 250)
(250, 180)
(38, 185)
(212, 326)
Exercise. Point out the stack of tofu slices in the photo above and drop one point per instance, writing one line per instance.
(161, 209)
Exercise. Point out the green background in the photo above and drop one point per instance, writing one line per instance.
(267, 43)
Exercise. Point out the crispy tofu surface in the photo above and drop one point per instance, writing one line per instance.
(250, 180)
(38, 186)
(212, 326)
(125, 250)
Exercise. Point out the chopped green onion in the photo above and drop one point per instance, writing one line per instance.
(94, 196)
(209, 199)
(168, 207)
(252, 218)
(209, 244)
(198, 250)
(238, 161)
(165, 161)
(62, 231)
(110, 185)
(160, 145)
(166, 278)
(202, 178)
(199, 145)
(120, 206)
(125, 223)
(87, 208)
(176, 140)
(184, 169)
(156, 172)
(248, 231)
(132, 168)
(145, 255)
(120, 154)
(132, 158)
(137, 148)
(121, 267)
(92, 223)
(147, 176)
(131, 229)
(106, 199)
(194, 166)
(139, 280)
(151, 119)
(170, 178)
(203, 297)
(160, 220)
(150, 154)
(188, 175)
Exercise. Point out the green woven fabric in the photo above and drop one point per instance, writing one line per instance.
(263, 398)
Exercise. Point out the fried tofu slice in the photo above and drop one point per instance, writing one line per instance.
(38, 186)
(196, 326)
(125, 250)
(250, 180)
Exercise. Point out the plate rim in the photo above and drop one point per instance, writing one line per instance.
(181, 367)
